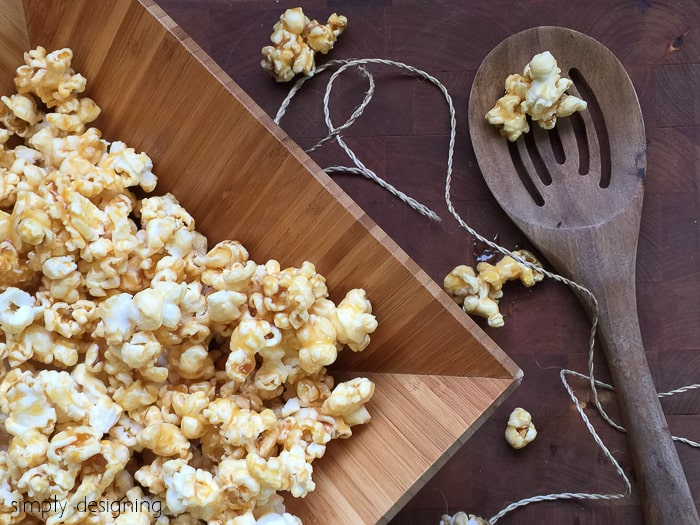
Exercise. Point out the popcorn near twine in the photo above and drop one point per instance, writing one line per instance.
(359, 168)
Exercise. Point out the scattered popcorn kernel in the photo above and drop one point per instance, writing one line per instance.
(520, 430)
(136, 362)
(539, 92)
(462, 518)
(480, 292)
(296, 40)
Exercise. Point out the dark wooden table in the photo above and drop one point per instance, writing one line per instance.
(403, 136)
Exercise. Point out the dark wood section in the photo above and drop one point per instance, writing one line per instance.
(403, 136)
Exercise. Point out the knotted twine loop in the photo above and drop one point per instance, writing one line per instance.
(334, 133)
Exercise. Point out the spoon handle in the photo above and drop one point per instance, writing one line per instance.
(603, 259)
(610, 274)
(666, 496)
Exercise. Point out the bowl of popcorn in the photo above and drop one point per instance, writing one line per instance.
(196, 323)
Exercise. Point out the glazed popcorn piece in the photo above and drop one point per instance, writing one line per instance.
(462, 518)
(347, 400)
(296, 40)
(17, 310)
(520, 431)
(539, 92)
(480, 292)
(137, 362)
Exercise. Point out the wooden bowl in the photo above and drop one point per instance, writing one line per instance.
(437, 374)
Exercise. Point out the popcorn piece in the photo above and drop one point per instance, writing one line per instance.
(520, 430)
(249, 337)
(224, 306)
(50, 77)
(117, 314)
(63, 278)
(312, 391)
(479, 293)
(189, 489)
(191, 362)
(310, 429)
(539, 92)
(164, 439)
(227, 267)
(40, 344)
(318, 344)
(348, 401)
(23, 107)
(285, 296)
(74, 446)
(17, 310)
(273, 518)
(150, 304)
(8, 494)
(142, 352)
(296, 472)
(355, 320)
(321, 38)
(508, 269)
(296, 40)
(24, 401)
(473, 294)
(190, 407)
(62, 391)
(272, 373)
(462, 518)
(508, 114)
(239, 427)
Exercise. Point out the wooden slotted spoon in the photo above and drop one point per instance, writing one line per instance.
(576, 193)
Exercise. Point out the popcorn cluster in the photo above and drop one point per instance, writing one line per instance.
(135, 362)
(479, 292)
(539, 92)
(296, 40)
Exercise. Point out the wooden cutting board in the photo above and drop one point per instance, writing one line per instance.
(403, 136)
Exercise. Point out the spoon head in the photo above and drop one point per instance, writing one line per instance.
(591, 165)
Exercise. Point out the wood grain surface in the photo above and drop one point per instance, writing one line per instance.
(403, 136)
(243, 178)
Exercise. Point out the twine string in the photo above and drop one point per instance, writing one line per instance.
(359, 168)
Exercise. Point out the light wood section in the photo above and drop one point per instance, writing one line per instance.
(362, 478)
(438, 375)
(14, 41)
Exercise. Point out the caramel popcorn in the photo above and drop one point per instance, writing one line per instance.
(539, 92)
(137, 362)
(462, 518)
(479, 292)
(296, 40)
(520, 431)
